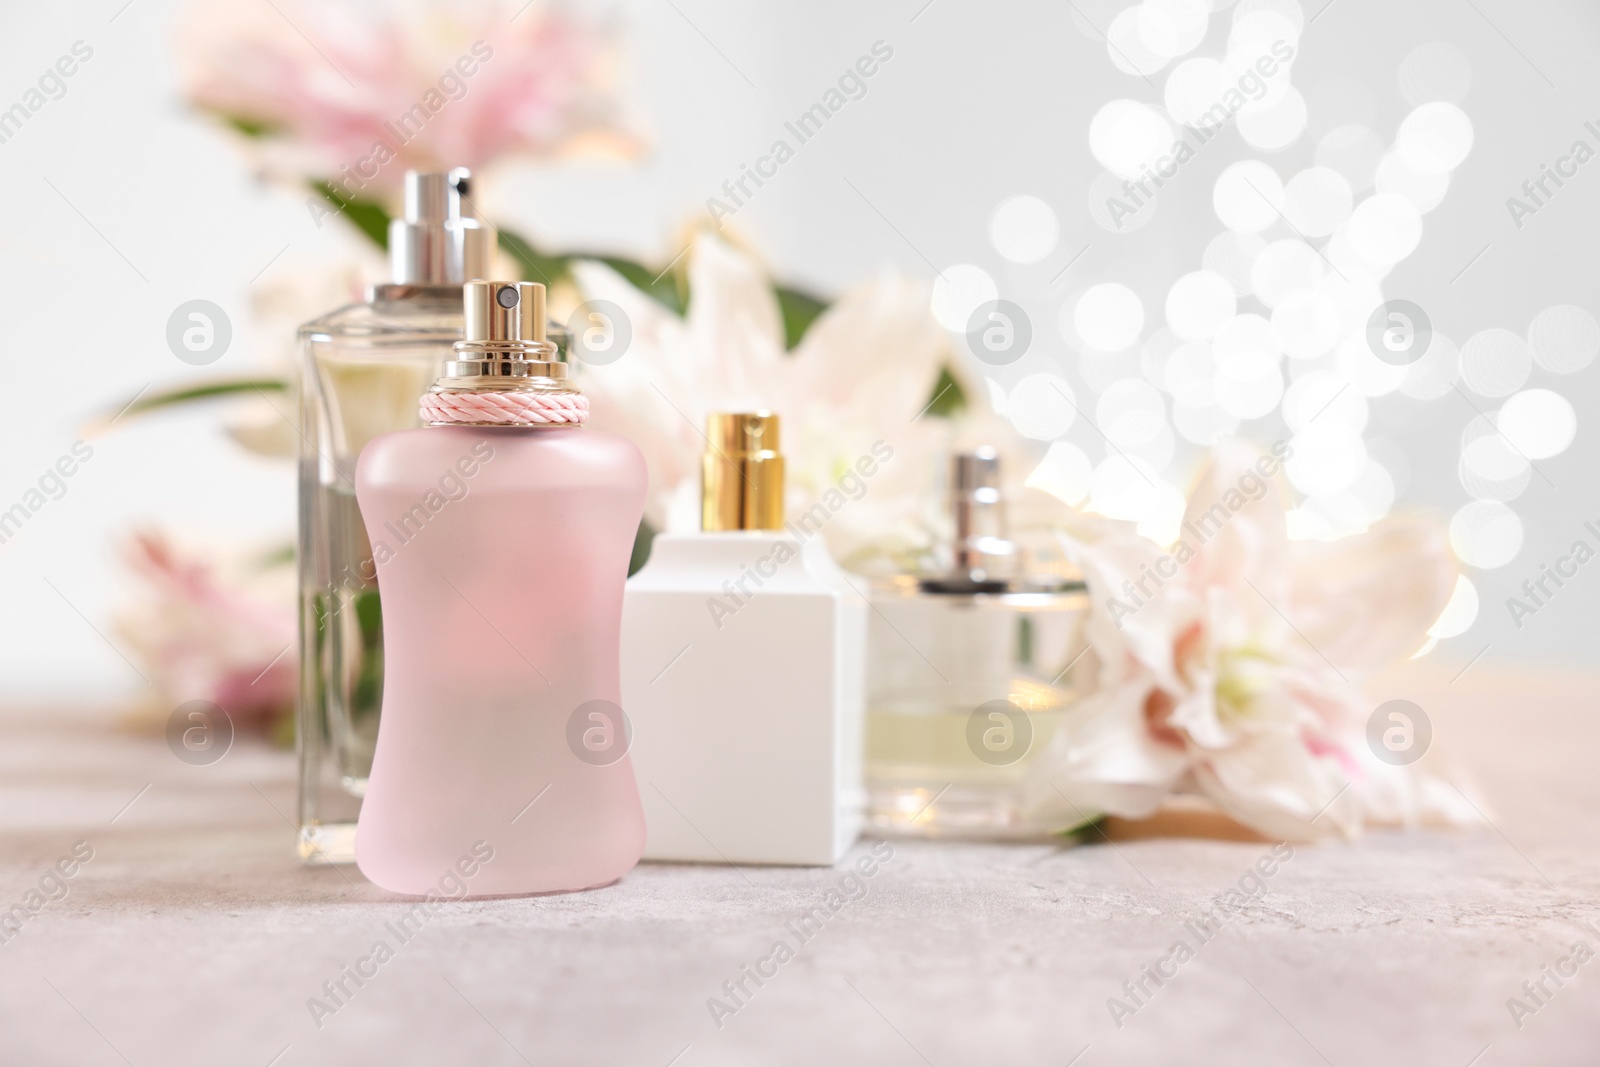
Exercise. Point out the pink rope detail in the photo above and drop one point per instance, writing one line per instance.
(509, 408)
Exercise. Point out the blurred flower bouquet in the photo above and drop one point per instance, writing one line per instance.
(337, 100)
(1226, 666)
(215, 630)
(348, 97)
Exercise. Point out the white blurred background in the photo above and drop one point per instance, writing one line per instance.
(122, 204)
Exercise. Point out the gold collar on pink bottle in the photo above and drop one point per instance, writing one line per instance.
(505, 373)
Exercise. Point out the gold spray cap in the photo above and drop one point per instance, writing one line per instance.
(741, 473)
(503, 312)
(504, 345)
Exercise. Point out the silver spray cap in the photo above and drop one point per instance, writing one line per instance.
(982, 557)
(436, 242)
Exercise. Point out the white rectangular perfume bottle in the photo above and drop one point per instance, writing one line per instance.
(743, 673)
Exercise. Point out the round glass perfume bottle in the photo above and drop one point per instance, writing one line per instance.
(970, 673)
(363, 367)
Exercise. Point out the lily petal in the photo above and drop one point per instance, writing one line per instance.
(1270, 785)
(735, 326)
(1235, 523)
(877, 350)
(1101, 759)
(1368, 599)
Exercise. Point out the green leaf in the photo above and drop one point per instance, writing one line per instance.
(368, 216)
(947, 398)
(800, 310)
(281, 732)
(548, 268)
(1091, 828)
(369, 616)
(536, 266)
(641, 547)
(190, 394)
(366, 696)
(277, 557)
(254, 128)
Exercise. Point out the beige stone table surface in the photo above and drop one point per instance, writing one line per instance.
(192, 937)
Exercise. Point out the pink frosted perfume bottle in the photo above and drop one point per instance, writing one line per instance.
(501, 532)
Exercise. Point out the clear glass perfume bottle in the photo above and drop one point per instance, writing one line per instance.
(970, 671)
(363, 368)
(743, 667)
(501, 533)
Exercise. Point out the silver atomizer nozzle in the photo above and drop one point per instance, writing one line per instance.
(982, 556)
(437, 242)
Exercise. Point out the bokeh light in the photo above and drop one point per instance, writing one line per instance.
(1203, 424)
(1127, 48)
(1199, 304)
(1285, 267)
(1323, 400)
(1023, 229)
(1191, 375)
(1397, 176)
(1273, 124)
(1539, 423)
(1435, 373)
(1246, 347)
(957, 293)
(1108, 317)
(1306, 323)
(1064, 473)
(1317, 200)
(1350, 262)
(1385, 227)
(1374, 487)
(1232, 256)
(1130, 413)
(1353, 298)
(1434, 138)
(1564, 339)
(1172, 28)
(1194, 87)
(1249, 398)
(1248, 196)
(1041, 406)
(1126, 136)
(1258, 26)
(1495, 362)
(1156, 353)
(1366, 373)
(1490, 467)
(1157, 452)
(1325, 460)
(1486, 534)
